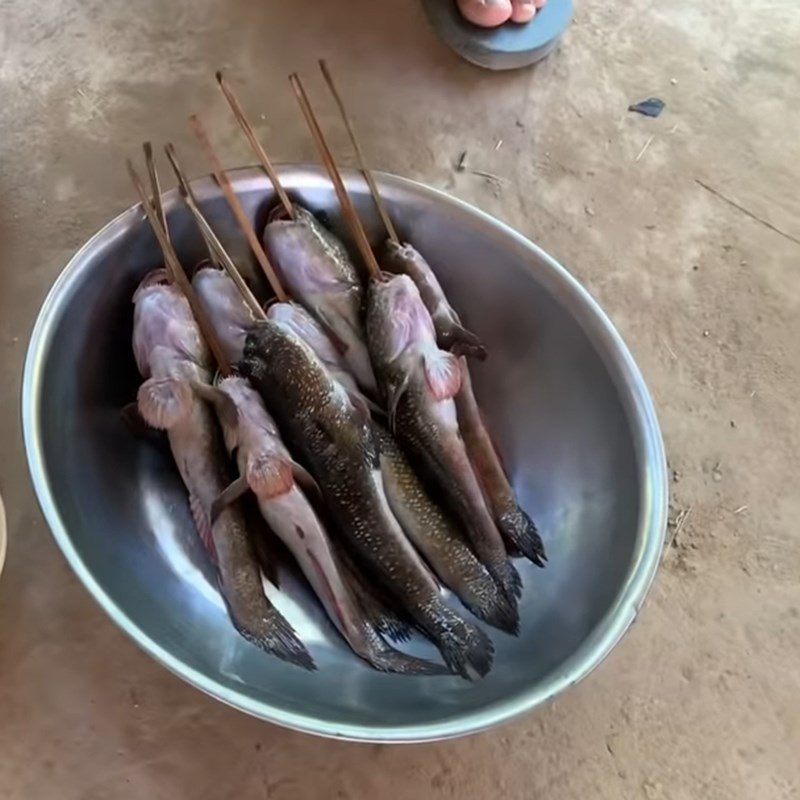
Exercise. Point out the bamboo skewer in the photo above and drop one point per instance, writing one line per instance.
(176, 272)
(233, 201)
(362, 162)
(172, 156)
(348, 209)
(215, 247)
(155, 185)
(250, 134)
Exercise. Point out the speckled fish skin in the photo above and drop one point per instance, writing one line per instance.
(171, 356)
(316, 270)
(516, 527)
(436, 536)
(265, 462)
(335, 442)
(451, 335)
(419, 382)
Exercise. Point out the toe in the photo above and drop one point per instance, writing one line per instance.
(522, 10)
(486, 13)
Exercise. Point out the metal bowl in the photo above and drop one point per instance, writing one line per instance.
(566, 403)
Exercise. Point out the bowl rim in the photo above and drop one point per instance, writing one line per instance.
(651, 471)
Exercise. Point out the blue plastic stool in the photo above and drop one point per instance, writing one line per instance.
(509, 46)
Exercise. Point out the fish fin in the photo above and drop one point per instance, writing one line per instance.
(466, 649)
(393, 394)
(274, 634)
(462, 342)
(443, 374)
(224, 406)
(305, 480)
(203, 522)
(134, 421)
(230, 494)
(269, 475)
(508, 578)
(519, 530)
(163, 402)
(385, 658)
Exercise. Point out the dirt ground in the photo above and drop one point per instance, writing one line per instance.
(685, 228)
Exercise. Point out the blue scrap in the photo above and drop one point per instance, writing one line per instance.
(651, 107)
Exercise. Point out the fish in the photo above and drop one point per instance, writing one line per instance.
(428, 527)
(435, 534)
(317, 271)
(269, 472)
(515, 525)
(171, 357)
(419, 382)
(229, 315)
(297, 320)
(334, 440)
(403, 259)
(231, 319)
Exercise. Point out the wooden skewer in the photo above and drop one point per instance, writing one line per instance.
(362, 162)
(183, 184)
(233, 201)
(249, 132)
(216, 248)
(155, 184)
(177, 274)
(348, 209)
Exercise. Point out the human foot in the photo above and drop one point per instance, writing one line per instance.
(491, 13)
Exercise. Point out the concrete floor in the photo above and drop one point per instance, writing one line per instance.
(702, 698)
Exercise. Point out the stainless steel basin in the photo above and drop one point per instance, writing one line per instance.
(565, 401)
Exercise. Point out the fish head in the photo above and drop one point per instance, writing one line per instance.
(309, 260)
(398, 324)
(228, 313)
(163, 318)
(298, 321)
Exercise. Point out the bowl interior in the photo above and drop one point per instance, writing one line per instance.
(565, 404)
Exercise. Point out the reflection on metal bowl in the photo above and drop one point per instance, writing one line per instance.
(565, 401)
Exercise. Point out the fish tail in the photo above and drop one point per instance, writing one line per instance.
(391, 624)
(385, 618)
(490, 603)
(277, 637)
(466, 649)
(520, 533)
(385, 658)
(507, 577)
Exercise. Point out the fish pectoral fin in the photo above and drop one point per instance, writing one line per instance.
(305, 480)
(163, 402)
(462, 342)
(132, 419)
(269, 475)
(228, 495)
(443, 373)
(223, 404)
